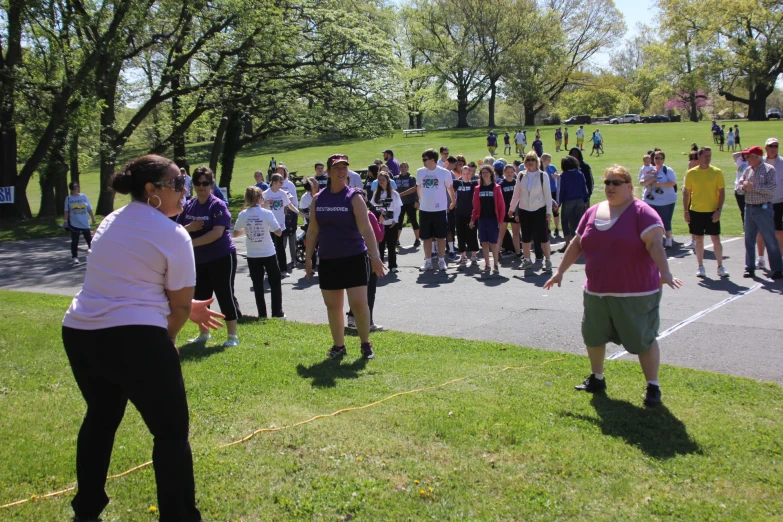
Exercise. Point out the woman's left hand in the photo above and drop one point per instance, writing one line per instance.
(378, 266)
(203, 316)
(668, 279)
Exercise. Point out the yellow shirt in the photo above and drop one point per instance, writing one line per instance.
(704, 185)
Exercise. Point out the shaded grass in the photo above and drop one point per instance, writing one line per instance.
(518, 444)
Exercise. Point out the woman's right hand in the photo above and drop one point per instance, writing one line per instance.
(378, 266)
(308, 268)
(194, 226)
(554, 280)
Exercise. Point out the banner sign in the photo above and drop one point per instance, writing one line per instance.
(6, 195)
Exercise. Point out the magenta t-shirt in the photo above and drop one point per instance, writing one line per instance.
(616, 260)
(214, 213)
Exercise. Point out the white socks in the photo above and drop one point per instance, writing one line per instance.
(653, 382)
(599, 376)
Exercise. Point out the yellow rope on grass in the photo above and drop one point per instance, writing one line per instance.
(301, 423)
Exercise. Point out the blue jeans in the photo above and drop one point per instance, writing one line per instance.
(666, 212)
(760, 220)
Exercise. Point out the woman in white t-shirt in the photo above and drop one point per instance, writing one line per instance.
(259, 224)
(278, 201)
(120, 332)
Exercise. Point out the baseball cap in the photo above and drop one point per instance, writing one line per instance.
(770, 141)
(337, 158)
(388, 151)
(499, 165)
(755, 150)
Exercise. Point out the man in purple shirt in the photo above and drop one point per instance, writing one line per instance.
(391, 162)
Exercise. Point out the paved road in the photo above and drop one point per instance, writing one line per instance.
(741, 337)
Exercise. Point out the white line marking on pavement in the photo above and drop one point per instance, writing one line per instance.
(694, 317)
(690, 251)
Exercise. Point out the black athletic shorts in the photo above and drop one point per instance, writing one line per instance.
(451, 223)
(343, 272)
(433, 225)
(778, 208)
(701, 224)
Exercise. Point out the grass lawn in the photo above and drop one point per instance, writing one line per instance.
(519, 444)
(624, 144)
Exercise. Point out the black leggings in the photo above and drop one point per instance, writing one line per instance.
(410, 212)
(741, 205)
(467, 238)
(372, 287)
(280, 246)
(217, 277)
(389, 242)
(75, 240)
(257, 266)
(140, 364)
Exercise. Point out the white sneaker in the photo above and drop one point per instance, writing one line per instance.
(232, 340)
(427, 265)
(284, 274)
(75, 260)
(351, 323)
(202, 338)
(690, 245)
(375, 327)
(701, 272)
(668, 243)
(760, 263)
(722, 272)
(463, 262)
(89, 251)
(473, 262)
(442, 264)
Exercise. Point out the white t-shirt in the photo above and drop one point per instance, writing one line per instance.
(258, 224)
(137, 254)
(306, 201)
(355, 180)
(520, 138)
(289, 187)
(277, 203)
(434, 195)
(580, 133)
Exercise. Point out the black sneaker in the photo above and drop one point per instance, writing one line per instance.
(776, 275)
(592, 385)
(653, 396)
(416, 244)
(367, 352)
(749, 274)
(336, 351)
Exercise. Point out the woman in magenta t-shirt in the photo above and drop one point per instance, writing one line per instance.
(625, 265)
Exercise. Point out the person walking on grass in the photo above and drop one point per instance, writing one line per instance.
(703, 196)
(532, 205)
(558, 139)
(120, 337)
(625, 265)
(506, 143)
(467, 240)
(258, 224)
(758, 184)
(565, 138)
(521, 142)
(492, 142)
(580, 137)
(507, 186)
(435, 190)
(488, 212)
(348, 252)
(571, 195)
(208, 221)
(77, 208)
(389, 205)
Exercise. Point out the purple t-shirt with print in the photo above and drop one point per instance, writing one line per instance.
(214, 213)
(338, 234)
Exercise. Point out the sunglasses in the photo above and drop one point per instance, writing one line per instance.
(202, 183)
(178, 183)
(773, 145)
(614, 182)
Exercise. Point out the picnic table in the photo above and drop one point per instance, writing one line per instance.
(408, 132)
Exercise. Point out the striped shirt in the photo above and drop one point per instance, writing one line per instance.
(764, 183)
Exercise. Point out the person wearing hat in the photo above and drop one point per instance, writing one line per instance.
(773, 159)
(759, 184)
(348, 252)
(392, 163)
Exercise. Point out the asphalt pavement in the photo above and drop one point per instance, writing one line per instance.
(730, 326)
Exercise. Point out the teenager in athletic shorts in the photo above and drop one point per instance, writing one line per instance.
(434, 186)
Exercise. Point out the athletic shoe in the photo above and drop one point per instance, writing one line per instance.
(653, 396)
(519, 255)
(284, 274)
(557, 233)
(232, 340)
(486, 267)
(75, 260)
(376, 327)
(776, 275)
(690, 245)
(367, 352)
(394, 270)
(202, 338)
(722, 272)
(463, 262)
(750, 273)
(496, 269)
(592, 385)
(452, 256)
(547, 266)
(441, 264)
(526, 265)
(668, 243)
(416, 244)
(336, 351)
(281, 317)
(427, 265)
(701, 272)
(351, 323)
(562, 249)
(473, 262)
(760, 263)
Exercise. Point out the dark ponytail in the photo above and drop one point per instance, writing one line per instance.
(135, 175)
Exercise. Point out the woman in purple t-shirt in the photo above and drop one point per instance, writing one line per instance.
(207, 220)
(340, 227)
(625, 265)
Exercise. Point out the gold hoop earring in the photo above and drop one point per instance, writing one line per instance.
(160, 202)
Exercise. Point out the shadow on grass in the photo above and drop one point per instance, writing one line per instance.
(196, 351)
(656, 432)
(324, 374)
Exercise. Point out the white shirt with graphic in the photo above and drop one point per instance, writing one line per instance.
(258, 224)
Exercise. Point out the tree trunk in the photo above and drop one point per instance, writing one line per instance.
(694, 109)
(231, 148)
(411, 119)
(8, 145)
(462, 109)
(530, 114)
(492, 93)
(73, 155)
(53, 177)
(180, 154)
(107, 90)
(757, 108)
(217, 145)
(419, 124)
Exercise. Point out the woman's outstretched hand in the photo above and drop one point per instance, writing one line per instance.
(203, 316)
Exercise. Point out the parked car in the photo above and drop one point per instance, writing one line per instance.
(626, 118)
(579, 120)
(656, 118)
(773, 113)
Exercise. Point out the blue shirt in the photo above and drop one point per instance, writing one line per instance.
(262, 186)
(78, 208)
(551, 169)
(573, 186)
(218, 193)
(375, 185)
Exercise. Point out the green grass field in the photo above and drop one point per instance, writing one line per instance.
(624, 144)
(518, 444)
